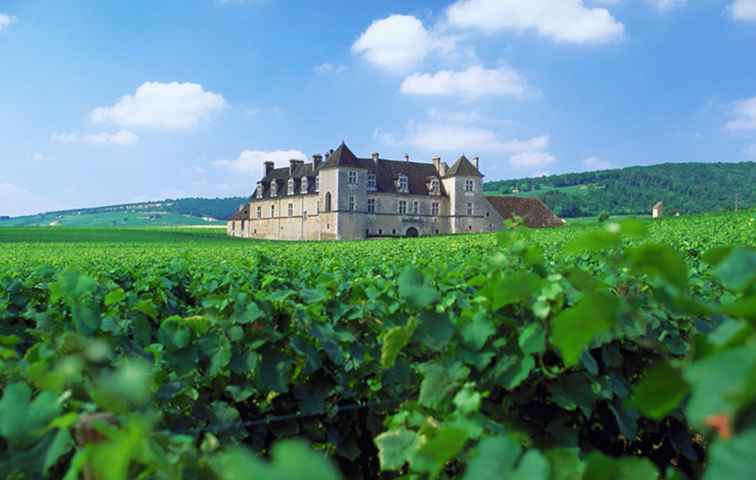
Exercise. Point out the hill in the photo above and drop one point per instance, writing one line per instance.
(684, 187)
(186, 211)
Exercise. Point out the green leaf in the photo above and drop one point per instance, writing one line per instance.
(394, 448)
(721, 383)
(661, 261)
(512, 288)
(533, 466)
(494, 458)
(394, 340)
(23, 420)
(733, 458)
(436, 452)
(414, 288)
(290, 459)
(601, 467)
(61, 444)
(477, 331)
(174, 334)
(532, 339)
(595, 241)
(467, 400)
(738, 270)
(275, 371)
(439, 381)
(660, 391)
(512, 370)
(575, 328)
(114, 296)
(565, 464)
(434, 330)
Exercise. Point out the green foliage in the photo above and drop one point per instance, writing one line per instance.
(526, 355)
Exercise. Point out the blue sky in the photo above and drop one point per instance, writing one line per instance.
(105, 102)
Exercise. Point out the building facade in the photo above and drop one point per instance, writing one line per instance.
(343, 197)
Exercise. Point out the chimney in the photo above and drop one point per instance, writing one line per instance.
(293, 165)
(406, 157)
(376, 157)
(316, 161)
(476, 162)
(437, 163)
(269, 168)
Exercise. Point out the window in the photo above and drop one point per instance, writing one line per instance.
(304, 214)
(488, 214)
(380, 231)
(259, 191)
(403, 183)
(304, 187)
(272, 211)
(352, 177)
(273, 188)
(259, 212)
(291, 186)
(402, 207)
(317, 184)
(416, 207)
(435, 187)
(328, 202)
(371, 183)
(291, 209)
(317, 207)
(470, 210)
(352, 203)
(469, 185)
(371, 205)
(434, 209)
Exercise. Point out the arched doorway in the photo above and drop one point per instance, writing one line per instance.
(328, 202)
(412, 232)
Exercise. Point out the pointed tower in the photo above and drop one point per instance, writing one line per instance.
(463, 183)
(343, 194)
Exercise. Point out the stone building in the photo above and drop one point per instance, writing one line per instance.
(343, 197)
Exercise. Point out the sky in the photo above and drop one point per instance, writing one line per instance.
(107, 102)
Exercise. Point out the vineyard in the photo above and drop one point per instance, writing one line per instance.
(601, 351)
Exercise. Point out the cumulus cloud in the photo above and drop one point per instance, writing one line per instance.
(667, 5)
(472, 83)
(169, 106)
(122, 138)
(5, 21)
(744, 115)
(563, 21)
(395, 43)
(329, 68)
(526, 160)
(596, 163)
(15, 201)
(744, 10)
(252, 162)
(467, 138)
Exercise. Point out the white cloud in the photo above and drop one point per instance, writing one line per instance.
(472, 83)
(531, 160)
(468, 116)
(252, 162)
(667, 5)
(444, 137)
(5, 21)
(595, 163)
(15, 201)
(329, 68)
(744, 10)
(397, 42)
(564, 21)
(744, 112)
(170, 106)
(122, 138)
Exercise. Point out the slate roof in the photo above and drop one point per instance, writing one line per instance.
(387, 172)
(533, 211)
(242, 213)
(463, 167)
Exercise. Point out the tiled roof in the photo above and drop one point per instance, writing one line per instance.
(532, 210)
(463, 167)
(387, 173)
(242, 213)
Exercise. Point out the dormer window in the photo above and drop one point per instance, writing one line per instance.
(259, 191)
(435, 187)
(372, 184)
(291, 186)
(273, 188)
(305, 187)
(352, 177)
(469, 185)
(403, 184)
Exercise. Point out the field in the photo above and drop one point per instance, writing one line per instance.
(622, 350)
